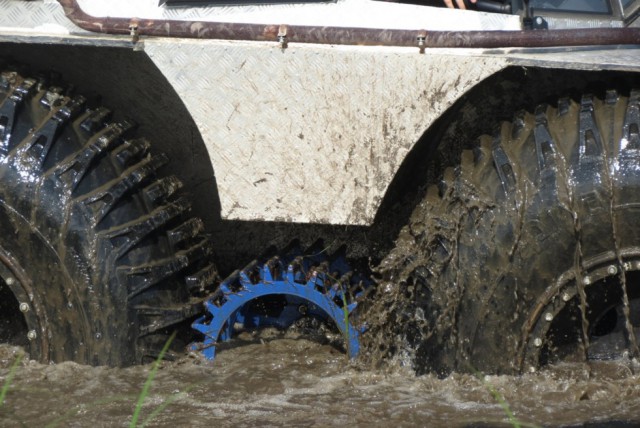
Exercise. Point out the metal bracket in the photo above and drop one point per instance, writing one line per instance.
(539, 23)
(422, 39)
(282, 37)
(133, 31)
(535, 23)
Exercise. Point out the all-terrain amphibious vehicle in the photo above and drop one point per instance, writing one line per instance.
(451, 189)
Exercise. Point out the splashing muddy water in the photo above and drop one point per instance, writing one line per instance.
(526, 252)
(303, 383)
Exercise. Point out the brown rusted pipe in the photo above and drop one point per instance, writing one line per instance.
(350, 36)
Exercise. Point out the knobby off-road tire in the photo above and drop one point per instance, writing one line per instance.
(95, 250)
(527, 253)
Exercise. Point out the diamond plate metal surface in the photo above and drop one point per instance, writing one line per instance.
(311, 134)
(586, 58)
(36, 16)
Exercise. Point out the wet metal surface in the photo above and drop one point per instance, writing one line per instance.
(303, 383)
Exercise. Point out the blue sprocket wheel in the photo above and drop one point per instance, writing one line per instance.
(301, 288)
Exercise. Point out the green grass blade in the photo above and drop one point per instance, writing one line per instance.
(505, 406)
(167, 403)
(149, 381)
(9, 379)
(515, 422)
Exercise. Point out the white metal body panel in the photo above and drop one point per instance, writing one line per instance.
(312, 134)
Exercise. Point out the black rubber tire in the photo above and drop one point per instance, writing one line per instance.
(94, 246)
(545, 204)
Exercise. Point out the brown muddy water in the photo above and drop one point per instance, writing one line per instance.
(304, 383)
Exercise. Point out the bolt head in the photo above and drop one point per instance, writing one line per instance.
(548, 316)
(10, 281)
(537, 342)
(586, 280)
(32, 335)
(24, 307)
(612, 270)
(566, 297)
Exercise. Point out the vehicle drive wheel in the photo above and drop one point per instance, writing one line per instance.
(97, 262)
(526, 254)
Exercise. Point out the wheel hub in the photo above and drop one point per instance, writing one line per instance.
(19, 312)
(594, 316)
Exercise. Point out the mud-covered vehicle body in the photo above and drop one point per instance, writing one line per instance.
(354, 122)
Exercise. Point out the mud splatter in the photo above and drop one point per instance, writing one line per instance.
(504, 267)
